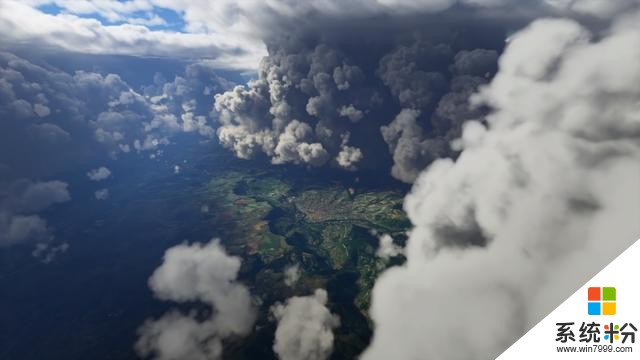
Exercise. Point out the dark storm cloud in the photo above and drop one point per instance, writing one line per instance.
(338, 91)
(411, 151)
(495, 184)
(301, 109)
(347, 70)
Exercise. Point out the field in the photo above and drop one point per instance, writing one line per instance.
(327, 229)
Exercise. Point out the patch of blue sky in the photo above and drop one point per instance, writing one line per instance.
(174, 21)
(170, 20)
(52, 9)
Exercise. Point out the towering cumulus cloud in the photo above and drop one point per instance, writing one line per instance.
(204, 273)
(300, 110)
(384, 93)
(543, 195)
(305, 327)
(381, 84)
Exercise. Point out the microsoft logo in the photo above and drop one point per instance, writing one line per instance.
(602, 301)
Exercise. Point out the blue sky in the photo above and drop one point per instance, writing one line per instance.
(173, 21)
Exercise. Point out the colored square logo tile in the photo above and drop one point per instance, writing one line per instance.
(608, 308)
(594, 294)
(609, 294)
(594, 308)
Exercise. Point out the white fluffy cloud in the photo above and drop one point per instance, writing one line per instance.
(99, 174)
(204, 273)
(305, 327)
(538, 201)
(387, 249)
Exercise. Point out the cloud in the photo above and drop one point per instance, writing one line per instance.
(543, 195)
(48, 253)
(203, 273)
(231, 34)
(601, 9)
(293, 146)
(54, 119)
(292, 274)
(318, 102)
(348, 157)
(179, 336)
(428, 80)
(22, 23)
(41, 110)
(350, 112)
(99, 174)
(387, 249)
(154, 20)
(88, 113)
(15, 229)
(411, 151)
(425, 59)
(302, 108)
(102, 194)
(316, 76)
(112, 11)
(20, 202)
(305, 327)
(30, 197)
(251, 18)
(186, 102)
